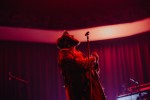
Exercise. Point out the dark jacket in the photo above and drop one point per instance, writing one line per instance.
(73, 65)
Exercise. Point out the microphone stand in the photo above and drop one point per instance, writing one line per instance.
(20, 81)
(17, 78)
(138, 88)
(90, 69)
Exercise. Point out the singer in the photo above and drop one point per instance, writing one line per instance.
(75, 72)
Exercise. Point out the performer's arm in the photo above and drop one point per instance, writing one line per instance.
(68, 60)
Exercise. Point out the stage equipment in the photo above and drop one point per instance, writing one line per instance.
(140, 93)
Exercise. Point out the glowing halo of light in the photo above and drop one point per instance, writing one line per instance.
(96, 33)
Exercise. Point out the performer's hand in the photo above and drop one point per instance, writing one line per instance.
(96, 66)
(95, 55)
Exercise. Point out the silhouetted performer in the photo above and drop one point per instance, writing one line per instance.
(73, 65)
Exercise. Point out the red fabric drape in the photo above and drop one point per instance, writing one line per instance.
(33, 62)
(120, 59)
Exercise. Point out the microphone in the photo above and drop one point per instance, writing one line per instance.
(134, 81)
(87, 33)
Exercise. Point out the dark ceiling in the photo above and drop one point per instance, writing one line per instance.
(71, 14)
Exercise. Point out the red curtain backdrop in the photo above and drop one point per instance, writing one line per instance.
(36, 63)
(122, 59)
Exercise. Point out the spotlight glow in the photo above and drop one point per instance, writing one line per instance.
(115, 31)
(96, 33)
